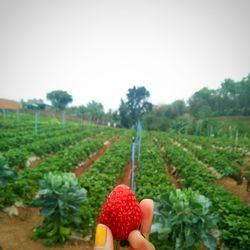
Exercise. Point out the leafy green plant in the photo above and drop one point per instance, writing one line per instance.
(182, 219)
(6, 173)
(60, 198)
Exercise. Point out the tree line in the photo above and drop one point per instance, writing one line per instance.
(232, 98)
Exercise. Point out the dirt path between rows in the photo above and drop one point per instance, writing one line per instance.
(78, 171)
(171, 175)
(15, 233)
(229, 184)
(239, 190)
(126, 175)
(170, 169)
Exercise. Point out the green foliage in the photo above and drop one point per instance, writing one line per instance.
(60, 198)
(6, 173)
(59, 99)
(228, 206)
(17, 157)
(125, 119)
(94, 111)
(138, 103)
(182, 218)
(175, 109)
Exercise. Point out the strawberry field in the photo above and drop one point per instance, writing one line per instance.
(31, 152)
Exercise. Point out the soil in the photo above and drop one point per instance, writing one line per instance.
(239, 190)
(36, 162)
(171, 175)
(247, 160)
(16, 231)
(126, 175)
(170, 170)
(78, 171)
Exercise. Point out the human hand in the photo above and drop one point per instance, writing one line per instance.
(138, 240)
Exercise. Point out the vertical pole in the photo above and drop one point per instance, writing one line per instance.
(4, 114)
(17, 114)
(230, 132)
(36, 122)
(139, 134)
(236, 138)
(81, 121)
(63, 117)
(132, 186)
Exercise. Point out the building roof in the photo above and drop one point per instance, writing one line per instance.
(9, 104)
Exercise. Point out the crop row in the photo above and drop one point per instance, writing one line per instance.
(7, 128)
(223, 161)
(221, 144)
(100, 179)
(18, 156)
(151, 178)
(234, 223)
(151, 174)
(14, 140)
(26, 185)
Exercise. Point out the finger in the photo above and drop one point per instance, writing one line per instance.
(147, 208)
(103, 238)
(138, 242)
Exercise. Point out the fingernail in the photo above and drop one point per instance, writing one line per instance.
(100, 235)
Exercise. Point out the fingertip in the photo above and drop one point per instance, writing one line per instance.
(147, 208)
(147, 203)
(103, 238)
(138, 242)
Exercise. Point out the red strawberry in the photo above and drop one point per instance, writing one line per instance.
(121, 212)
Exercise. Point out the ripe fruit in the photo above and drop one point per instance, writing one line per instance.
(121, 212)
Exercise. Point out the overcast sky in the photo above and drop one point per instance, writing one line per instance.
(97, 50)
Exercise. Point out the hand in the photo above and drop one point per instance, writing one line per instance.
(138, 240)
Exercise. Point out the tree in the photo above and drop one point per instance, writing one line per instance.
(138, 103)
(59, 99)
(245, 95)
(125, 120)
(95, 110)
(200, 101)
(177, 108)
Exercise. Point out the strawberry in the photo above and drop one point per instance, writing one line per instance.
(121, 212)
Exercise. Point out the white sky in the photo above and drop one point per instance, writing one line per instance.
(97, 50)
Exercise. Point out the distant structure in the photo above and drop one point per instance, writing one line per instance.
(9, 104)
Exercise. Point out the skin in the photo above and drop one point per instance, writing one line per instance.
(138, 239)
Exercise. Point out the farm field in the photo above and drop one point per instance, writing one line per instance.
(100, 158)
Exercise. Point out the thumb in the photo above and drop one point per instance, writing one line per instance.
(103, 238)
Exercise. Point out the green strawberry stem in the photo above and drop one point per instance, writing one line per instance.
(117, 245)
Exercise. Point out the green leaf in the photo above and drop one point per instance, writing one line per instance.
(209, 241)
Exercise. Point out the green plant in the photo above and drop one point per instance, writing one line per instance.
(182, 219)
(7, 197)
(60, 198)
(6, 173)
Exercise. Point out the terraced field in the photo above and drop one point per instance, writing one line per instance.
(100, 157)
